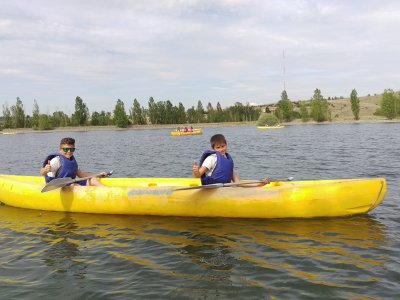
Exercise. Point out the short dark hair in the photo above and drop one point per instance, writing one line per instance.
(67, 141)
(217, 139)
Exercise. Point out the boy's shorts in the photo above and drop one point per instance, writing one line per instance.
(82, 183)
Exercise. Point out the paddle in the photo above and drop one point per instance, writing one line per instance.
(61, 182)
(219, 185)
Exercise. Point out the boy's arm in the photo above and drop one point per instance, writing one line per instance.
(52, 166)
(81, 174)
(45, 169)
(198, 172)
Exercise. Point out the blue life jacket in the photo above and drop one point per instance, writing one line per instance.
(223, 171)
(69, 167)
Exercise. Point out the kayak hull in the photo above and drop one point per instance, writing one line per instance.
(270, 127)
(156, 196)
(182, 133)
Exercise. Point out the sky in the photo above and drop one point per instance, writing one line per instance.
(223, 51)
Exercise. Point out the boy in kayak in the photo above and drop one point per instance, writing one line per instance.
(63, 164)
(216, 165)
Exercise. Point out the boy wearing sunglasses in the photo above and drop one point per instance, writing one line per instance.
(63, 164)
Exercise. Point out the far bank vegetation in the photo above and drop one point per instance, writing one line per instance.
(321, 109)
(317, 109)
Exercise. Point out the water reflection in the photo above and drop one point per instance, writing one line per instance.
(62, 247)
(180, 256)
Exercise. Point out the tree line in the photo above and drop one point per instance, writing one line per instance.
(158, 112)
(164, 112)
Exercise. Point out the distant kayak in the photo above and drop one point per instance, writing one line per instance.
(271, 127)
(182, 133)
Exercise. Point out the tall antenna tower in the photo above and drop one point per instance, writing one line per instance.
(284, 70)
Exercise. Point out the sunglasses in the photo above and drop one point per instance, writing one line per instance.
(68, 149)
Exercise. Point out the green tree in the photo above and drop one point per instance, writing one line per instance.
(319, 107)
(95, 119)
(210, 113)
(304, 112)
(251, 113)
(81, 115)
(137, 113)
(389, 104)
(200, 112)
(220, 115)
(170, 117)
(285, 107)
(236, 112)
(278, 114)
(44, 122)
(161, 112)
(60, 119)
(153, 111)
(267, 119)
(241, 113)
(106, 117)
(175, 112)
(35, 115)
(101, 119)
(191, 115)
(7, 120)
(120, 118)
(397, 103)
(355, 104)
(18, 114)
(181, 118)
(28, 121)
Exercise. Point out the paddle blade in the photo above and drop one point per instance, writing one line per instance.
(61, 182)
(57, 183)
(278, 179)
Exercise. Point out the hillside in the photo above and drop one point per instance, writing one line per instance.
(341, 108)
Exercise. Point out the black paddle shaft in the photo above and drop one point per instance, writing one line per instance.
(219, 185)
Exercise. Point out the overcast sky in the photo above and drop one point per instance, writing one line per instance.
(223, 51)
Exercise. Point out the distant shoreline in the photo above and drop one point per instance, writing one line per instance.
(134, 127)
(198, 125)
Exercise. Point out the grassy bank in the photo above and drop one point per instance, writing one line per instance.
(341, 109)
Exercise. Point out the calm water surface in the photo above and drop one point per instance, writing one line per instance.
(50, 255)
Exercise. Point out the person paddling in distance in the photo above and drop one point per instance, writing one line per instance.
(63, 164)
(216, 165)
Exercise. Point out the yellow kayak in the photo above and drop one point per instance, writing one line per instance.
(182, 133)
(270, 127)
(157, 196)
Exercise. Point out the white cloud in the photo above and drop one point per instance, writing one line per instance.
(184, 51)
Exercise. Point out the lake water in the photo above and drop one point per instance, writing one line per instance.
(52, 255)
